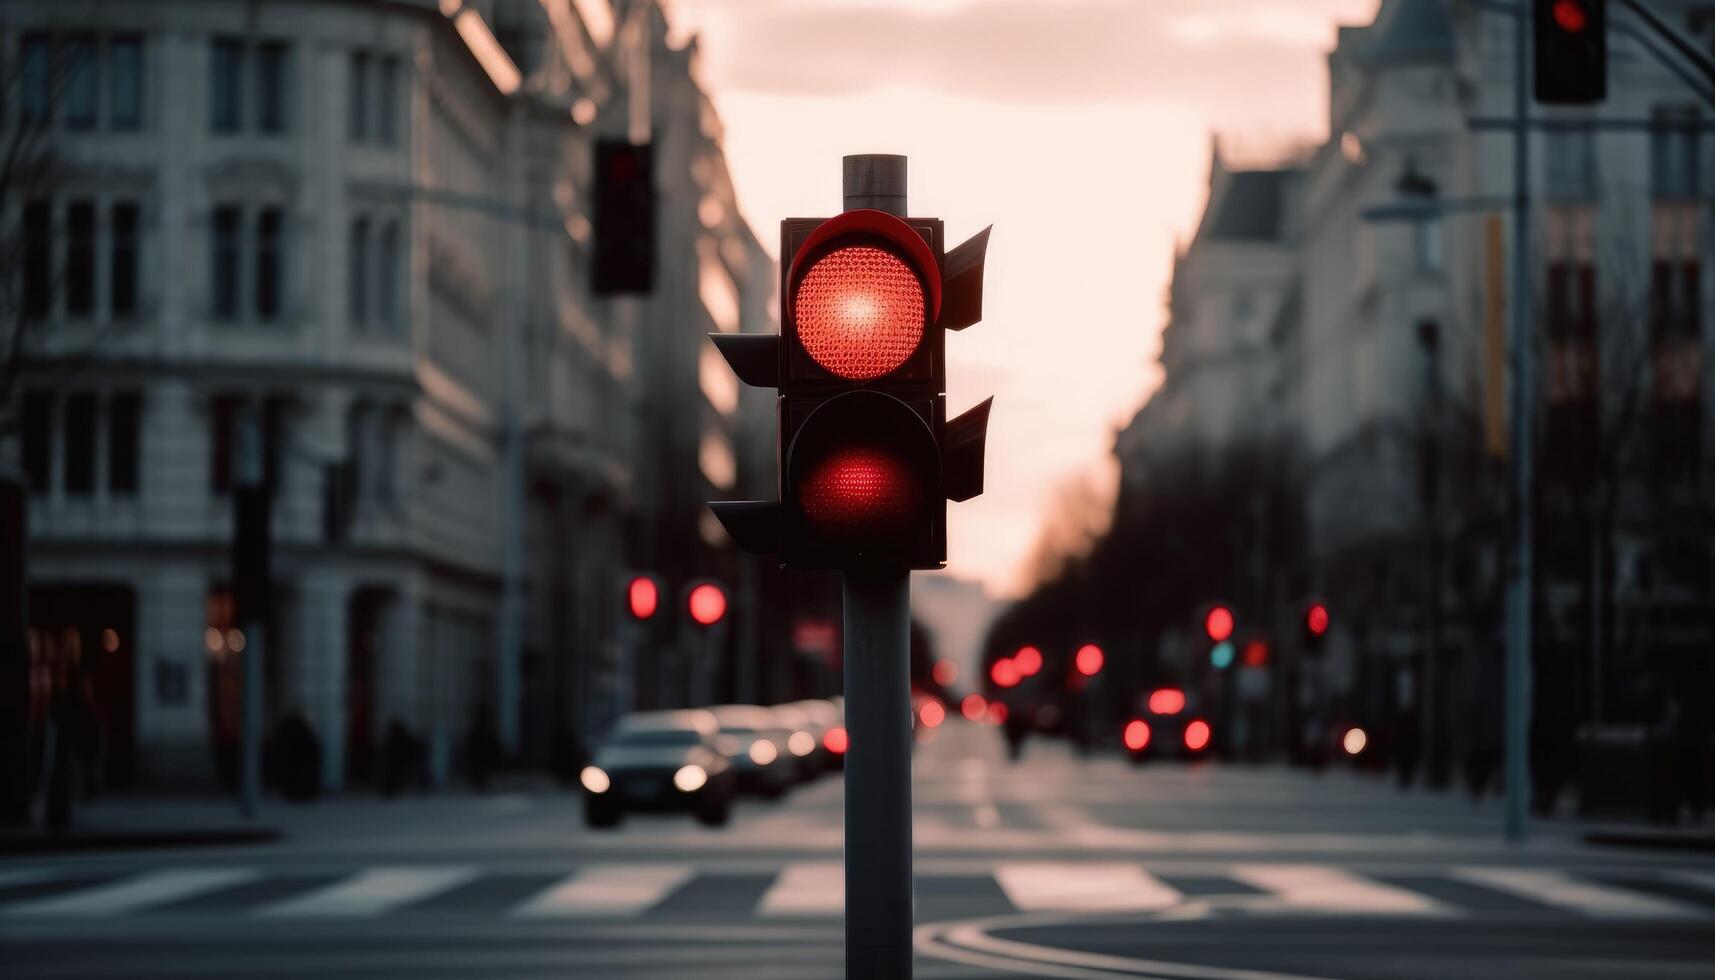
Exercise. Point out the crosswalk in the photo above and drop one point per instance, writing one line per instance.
(811, 890)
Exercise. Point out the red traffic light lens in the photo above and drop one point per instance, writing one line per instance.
(1089, 660)
(707, 604)
(643, 596)
(860, 312)
(1219, 623)
(1316, 619)
(859, 491)
(1571, 16)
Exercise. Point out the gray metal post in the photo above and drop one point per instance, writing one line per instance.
(253, 629)
(877, 614)
(1518, 586)
(878, 773)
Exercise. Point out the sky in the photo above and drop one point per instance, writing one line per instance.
(1081, 129)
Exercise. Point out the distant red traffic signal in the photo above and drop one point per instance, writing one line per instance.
(1028, 660)
(1218, 623)
(1316, 619)
(706, 604)
(642, 597)
(1088, 660)
(1570, 51)
(1255, 653)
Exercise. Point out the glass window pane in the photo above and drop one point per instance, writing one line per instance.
(80, 443)
(38, 259)
(268, 232)
(357, 273)
(37, 69)
(37, 421)
(80, 83)
(126, 82)
(124, 424)
(226, 85)
(123, 261)
(387, 282)
(359, 94)
(271, 87)
(80, 258)
(387, 98)
(222, 422)
(224, 273)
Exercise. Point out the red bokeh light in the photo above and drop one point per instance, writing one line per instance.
(1167, 701)
(1316, 619)
(997, 712)
(836, 741)
(1136, 734)
(859, 491)
(1255, 653)
(643, 596)
(973, 707)
(1571, 16)
(1089, 660)
(932, 713)
(1005, 673)
(707, 604)
(945, 672)
(1197, 735)
(1218, 623)
(1029, 661)
(860, 312)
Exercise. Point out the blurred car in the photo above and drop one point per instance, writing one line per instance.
(804, 739)
(1168, 725)
(660, 760)
(756, 747)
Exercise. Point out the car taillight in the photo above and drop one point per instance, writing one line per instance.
(836, 741)
(1197, 735)
(1136, 734)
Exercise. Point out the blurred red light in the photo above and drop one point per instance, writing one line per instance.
(1136, 734)
(1316, 618)
(836, 741)
(973, 707)
(1219, 623)
(707, 604)
(859, 491)
(997, 712)
(860, 312)
(1167, 701)
(945, 672)
(643, 596)
(1255, 654)
(1197, 735)
(1089, 660)
(1029, 661)
(932, 713)
(1005, 673)
(1571, 16)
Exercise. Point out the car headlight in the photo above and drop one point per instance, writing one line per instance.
(762, 752)
(689, 779)
(594, 780)
(801, 744)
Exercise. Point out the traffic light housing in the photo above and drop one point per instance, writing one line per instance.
(1570, 51)
(623, 218)
(868, 457)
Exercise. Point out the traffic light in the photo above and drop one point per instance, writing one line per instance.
(623, 218)
(1315, 625)
(1571, 51)
(1088, 660)
(868, 456)
(642, 597)
(706, 602)
(1255, 653)
(1218, 623)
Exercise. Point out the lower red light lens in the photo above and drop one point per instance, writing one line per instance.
(860, 312)
(836, 741)
(1197, 735)
(1136, 734)
(857, 491)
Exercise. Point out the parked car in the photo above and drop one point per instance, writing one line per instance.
(756, 747)
(1168, 724)
(660, 760)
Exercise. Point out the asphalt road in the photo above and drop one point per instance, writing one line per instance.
(1052, 867)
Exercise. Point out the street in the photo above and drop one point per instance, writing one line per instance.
(1053, 867)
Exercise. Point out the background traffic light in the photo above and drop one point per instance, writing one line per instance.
(1571, 51)
(868, 456)
(1315, 625)
(623, 218)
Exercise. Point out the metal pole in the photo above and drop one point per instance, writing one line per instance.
(877, 614)
(878, 773)
(1518, 586)
(250, 506)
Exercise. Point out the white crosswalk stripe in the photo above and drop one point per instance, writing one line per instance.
(1324, 888)
(1587, 898)
(371, 892)
(135, 893)
(1040, 886)
(607, 891)
(807, 888)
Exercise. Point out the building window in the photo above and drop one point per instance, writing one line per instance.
(80, 443)
(226, 85)
(126, 81)
(124, 427)
(38, 426)
(36, 59)
(1673, 152)
(38, 259)
(269, 229)
(80, 258)
(224, 273)
(359, 93)
(387, 95)
(223, 429)
(358, 271)
(387, 282)
(123, 260)
(271, 84)
(79, 92)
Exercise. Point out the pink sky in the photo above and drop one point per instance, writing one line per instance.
(1079, 128)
